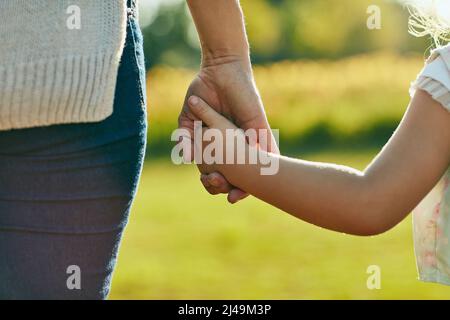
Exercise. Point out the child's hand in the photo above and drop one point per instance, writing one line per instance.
(208, 115)
(226, 149)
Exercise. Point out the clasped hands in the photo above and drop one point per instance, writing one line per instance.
(230, 90)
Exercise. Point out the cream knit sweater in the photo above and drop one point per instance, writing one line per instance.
(59, 60)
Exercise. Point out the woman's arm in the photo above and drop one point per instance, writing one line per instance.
(220, 25)
(225, 80)
(347, 200)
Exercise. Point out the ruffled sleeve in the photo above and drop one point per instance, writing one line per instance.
(435, 77)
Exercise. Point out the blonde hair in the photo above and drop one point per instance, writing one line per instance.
(430, 18)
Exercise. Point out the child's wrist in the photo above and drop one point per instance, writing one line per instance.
(233, 173)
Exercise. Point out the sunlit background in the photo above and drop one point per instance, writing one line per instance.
(336, 90)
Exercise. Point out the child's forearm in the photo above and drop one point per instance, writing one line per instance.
(330, 196)
(344, 199)
(369, 202)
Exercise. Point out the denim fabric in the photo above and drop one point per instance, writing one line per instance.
(66, 192)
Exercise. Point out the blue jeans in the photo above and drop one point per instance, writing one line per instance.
(66, 193)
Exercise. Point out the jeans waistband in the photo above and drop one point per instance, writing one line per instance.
(131, 8)
(131, 4)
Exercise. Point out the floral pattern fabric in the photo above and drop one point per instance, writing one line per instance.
(431, 218)
(431, 226)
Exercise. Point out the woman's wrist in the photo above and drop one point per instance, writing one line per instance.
(221, 28)
(224, 56)
(226, 71)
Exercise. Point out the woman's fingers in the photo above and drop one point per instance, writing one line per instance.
(211, 190)
(216, 182)
(204, 180)
(219, 182)
(236, 195)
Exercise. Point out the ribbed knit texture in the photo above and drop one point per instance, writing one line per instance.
(51, 74)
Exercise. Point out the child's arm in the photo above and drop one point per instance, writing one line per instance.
(347, 200)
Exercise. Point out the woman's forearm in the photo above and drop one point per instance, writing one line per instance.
(221, 28)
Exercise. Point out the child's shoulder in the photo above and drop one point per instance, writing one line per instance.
(435, 76)
(441, 51)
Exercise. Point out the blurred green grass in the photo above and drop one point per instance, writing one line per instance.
(316, 104)
(181, 243)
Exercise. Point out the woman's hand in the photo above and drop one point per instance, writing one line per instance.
(227, 85)
(225, 80)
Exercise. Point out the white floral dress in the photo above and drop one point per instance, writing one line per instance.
(431, 218)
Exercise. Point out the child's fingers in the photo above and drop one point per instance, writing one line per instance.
(208, 115)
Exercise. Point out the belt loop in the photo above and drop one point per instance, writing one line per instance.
(131, 8)
(131, 4)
